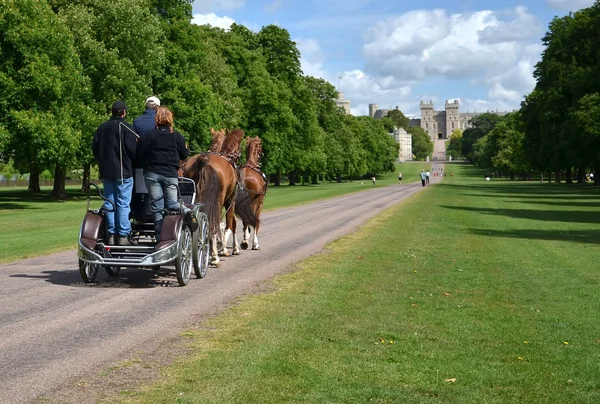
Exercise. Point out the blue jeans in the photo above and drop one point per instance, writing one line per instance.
(120, 193)
(160, 187)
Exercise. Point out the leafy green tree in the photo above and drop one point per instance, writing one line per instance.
(481, 125)
(422, 145)
(119, 47)
(454, 145)
(42, 86)
(281, 54)
(399, 119)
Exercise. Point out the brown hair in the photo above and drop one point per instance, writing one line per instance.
(164, 117)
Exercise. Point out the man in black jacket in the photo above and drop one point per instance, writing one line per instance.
(114, 147)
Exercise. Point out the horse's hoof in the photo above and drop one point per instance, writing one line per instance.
(236, 252)
(244, 245)
(256, 247)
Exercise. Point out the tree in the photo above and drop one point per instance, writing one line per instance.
(41, 75)
(481, 125)
(454, 145)
(399, 119)
(422, 147)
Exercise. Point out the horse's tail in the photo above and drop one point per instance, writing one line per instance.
(208, 192)
(243, 207)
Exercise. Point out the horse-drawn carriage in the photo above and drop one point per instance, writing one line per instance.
(178, 245)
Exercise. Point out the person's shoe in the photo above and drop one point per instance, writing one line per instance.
(111, 239)
(124, 240)
(192, 220)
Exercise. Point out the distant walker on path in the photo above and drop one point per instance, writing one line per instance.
(423, 177)
(400, 177)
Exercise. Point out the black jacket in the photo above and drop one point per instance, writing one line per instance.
(146, 122)
(114, 147)
(160, 151)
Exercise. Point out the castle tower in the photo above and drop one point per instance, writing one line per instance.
(372, 109)
(452, 117)
(427, 118)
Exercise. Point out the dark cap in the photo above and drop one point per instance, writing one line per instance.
(118, 107)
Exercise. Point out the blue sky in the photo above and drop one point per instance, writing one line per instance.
(397, 53)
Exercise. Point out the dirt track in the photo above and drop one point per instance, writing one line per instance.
(54, 329)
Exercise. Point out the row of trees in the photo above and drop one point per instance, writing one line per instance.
(63, 63)
(557, 129)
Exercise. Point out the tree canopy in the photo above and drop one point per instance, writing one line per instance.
(64, 63)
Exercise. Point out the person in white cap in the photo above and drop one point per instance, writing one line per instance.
(147, 121)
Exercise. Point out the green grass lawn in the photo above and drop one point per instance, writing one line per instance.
(37, 225)
(469, 292)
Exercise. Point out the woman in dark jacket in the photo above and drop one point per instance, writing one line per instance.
(159, 152)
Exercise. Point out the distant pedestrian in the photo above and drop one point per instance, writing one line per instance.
(373, 179)
(423, 177)
(400, 177)
(427, 174)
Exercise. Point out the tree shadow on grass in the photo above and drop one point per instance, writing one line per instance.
(22, 196)
(128, 278)
(576, 236)
(516, 188)
(570, 197)
(15, 206)
(538, 214)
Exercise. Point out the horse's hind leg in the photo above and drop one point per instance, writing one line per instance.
(229, 231)
(255, 245)
(214, 253)
(246, 237)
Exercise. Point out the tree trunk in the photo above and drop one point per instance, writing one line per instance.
(557, 177)
(85, 181)
(338, 178)
(277, 179)
(315, 179)
(581, 175)
(596, 171)
(512, 175)
(34, 179)
(59, 182)
(549, 177)
(569, 175)
(292, 178)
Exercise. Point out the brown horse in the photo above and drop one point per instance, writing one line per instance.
(250, 198)
(216, 178)
(231, 151)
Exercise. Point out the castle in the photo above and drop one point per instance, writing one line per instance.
(437, 124)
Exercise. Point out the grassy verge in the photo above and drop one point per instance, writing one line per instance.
(37, 225)
(469, 292)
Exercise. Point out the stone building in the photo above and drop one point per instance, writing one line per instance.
(441, 124)
(437, 124)
(343, 103)
(375, 112)
(404, 139)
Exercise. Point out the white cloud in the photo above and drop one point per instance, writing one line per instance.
(213, 20)
(311, 57)
(207, 6)
(497, 50)
(569, 5)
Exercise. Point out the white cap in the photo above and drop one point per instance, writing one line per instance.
(154, 100)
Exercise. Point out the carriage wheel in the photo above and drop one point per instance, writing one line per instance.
(201, 247)
(88, 271)
(183, 263)
(112, 270)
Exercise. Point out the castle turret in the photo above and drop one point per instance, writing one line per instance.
(372, 109)
(427, 120)
(452, 117)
